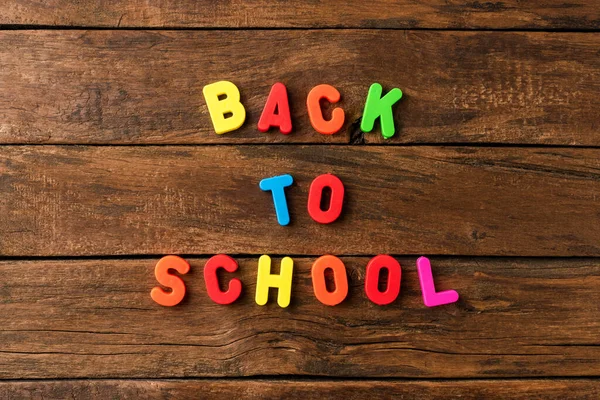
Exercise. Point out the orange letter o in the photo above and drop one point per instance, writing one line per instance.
(339, 276)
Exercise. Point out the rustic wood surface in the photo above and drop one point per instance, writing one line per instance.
(72, 200)
(494, 173)
(559, 389)
(464, 14)
(135, 87)
(517, 317)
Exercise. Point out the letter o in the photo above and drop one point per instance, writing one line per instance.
(315, 194)
(339, 276)
(372, 279)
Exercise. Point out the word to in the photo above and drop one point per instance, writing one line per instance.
(228, 113)
(283, 281)
(277, 184)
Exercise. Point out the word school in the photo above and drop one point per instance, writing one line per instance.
(283, 281)
(228, 113)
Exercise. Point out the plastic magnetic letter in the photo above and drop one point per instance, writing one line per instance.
(283, 281)
(380, 107)
(276, 184)
(165, 278)
(218, 109)
(212, 281)
(277, 101)
(336, 201)
(315, 114)
(431, 298)
(339, 276)
(392, 290)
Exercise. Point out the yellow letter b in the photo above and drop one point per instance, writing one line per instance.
(219, 108)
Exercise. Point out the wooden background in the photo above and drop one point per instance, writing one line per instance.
(108, 161)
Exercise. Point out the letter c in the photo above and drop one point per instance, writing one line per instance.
(315, 114)
(212, 282)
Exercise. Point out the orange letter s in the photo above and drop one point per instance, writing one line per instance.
(169, 280)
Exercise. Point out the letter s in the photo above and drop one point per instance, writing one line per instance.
(169, 280)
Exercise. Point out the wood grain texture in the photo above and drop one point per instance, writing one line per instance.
(95, 318)
(72, 200)
(556, 389)
(554, 14)
(123, 87)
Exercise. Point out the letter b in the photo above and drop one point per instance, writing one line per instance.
(219, 108)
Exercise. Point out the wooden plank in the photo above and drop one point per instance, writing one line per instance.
(555, 389)
(554, 14)
(121, 87)
(71, 200)
(95, 318)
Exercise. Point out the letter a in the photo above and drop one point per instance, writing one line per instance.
(277, 101)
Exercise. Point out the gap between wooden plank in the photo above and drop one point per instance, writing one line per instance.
(307, 378)
(9, 27)
(304, 255)
(295, 389)
(374, 145)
